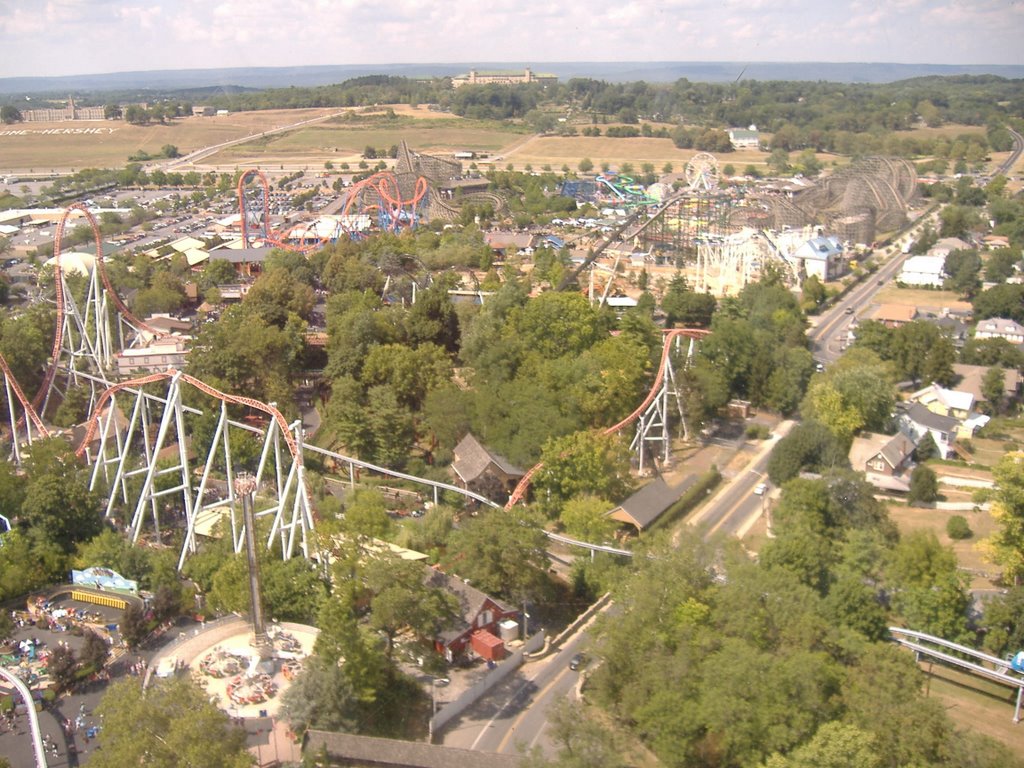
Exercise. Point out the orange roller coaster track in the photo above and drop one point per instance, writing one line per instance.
(670, 337)
(203, 387)
(380, 193)
(61, 298)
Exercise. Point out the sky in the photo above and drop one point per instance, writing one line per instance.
(71, 37)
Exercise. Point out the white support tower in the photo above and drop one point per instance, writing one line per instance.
(150, 474)
(653, 426)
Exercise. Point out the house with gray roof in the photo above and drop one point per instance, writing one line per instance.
(884, 459)
(1000, 328)
(915, 420)
(822, 257)
(483, 471)
(643, 508)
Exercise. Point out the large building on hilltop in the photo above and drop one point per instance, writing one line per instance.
(502, 77)
(61, 114)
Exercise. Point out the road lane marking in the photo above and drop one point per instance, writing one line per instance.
(513, 697)
(540, 695)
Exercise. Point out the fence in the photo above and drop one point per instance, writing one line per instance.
(582, 619)
(92, 597)
(495, 676)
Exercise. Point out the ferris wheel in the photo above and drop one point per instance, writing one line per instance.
(702, 172)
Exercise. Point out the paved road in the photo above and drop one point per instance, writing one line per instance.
(514, 714)
(828, 335)
(735, 508)
(192, 158)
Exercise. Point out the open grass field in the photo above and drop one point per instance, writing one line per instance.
(922, 298)
(558, 150)
(337, 140)
(976, 704)
(35, 151)
(968, 553)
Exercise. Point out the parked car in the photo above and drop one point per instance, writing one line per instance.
(760, 489)
(577, 661)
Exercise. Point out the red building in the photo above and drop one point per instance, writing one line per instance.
(478, 629)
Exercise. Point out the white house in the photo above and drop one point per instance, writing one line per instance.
(915, 420)
(157, 357)
(923, 271)
(822, 256)
(1000, 328)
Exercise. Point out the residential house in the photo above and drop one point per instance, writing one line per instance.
(1000, 328)
(822, 257)
(644, 507)
(885, 459)
(956, 404)
(915, 420)
(945, 402)
(508, 244)
(895, 315)
(923, 271)
(482, 471)
(481, 618)
(953, 327)
(947, 245)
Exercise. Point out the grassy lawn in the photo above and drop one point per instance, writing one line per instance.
(923, 299)
(44, 152)
(556, 150)
(976, 704)
(337, 140)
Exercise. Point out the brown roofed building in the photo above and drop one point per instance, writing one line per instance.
(645, 506)
(971, 377)
(895, 315)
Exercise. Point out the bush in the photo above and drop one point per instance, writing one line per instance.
(957, 528)
(757, 432)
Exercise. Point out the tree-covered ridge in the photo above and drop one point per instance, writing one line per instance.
(968, 100)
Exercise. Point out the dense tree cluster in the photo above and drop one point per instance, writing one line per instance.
(716, 661)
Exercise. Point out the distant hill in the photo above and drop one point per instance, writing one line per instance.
(667, 71)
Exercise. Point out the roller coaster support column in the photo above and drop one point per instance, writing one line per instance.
(653, 424)
(172, 416)
(245, 488)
